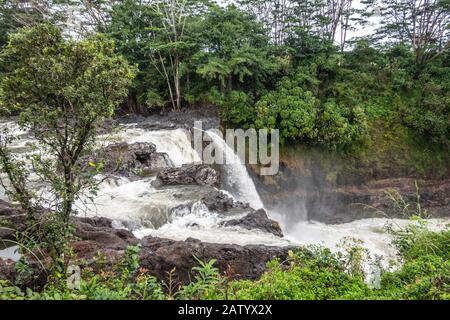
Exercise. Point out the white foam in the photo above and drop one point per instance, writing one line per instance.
(236, 177)
(123, 201)
(176, 143)
(372, 232)
(203, 225)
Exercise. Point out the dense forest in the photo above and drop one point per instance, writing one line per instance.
(274, 64)
(366, 80)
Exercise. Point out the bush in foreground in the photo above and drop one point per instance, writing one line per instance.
(311, 273)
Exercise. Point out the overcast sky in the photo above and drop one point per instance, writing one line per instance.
(359, 30)
(363, 31)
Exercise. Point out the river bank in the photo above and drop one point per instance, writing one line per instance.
(194, 213)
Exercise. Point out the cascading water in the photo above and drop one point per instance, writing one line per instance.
(236, 178)
(176, 143)
(175, 212)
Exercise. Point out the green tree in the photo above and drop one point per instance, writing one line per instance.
(234, 50)
(156, 36)
(63, 90)
(129, 27)
(422, 25)
(171, 42)
(296, 109)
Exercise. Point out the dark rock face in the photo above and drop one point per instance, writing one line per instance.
(306, 188)
(93, 235)
(158, 255)
(220, 202)
(257, 220)
(131, 160)
(7, 269)
(100, 231)
(248, 262)
(169, 119)
(200, 174)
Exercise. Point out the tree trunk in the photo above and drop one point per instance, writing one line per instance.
(177, 83)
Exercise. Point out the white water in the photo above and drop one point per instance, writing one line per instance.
(10, 253)
(21, 142)
(236, 175)
(197, 222)
(139, 206)
(202, 224)
(371, 233)
(176, 143)
(132, 203)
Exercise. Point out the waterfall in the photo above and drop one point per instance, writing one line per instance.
(175, 212)
(236, 177)
(176, 143)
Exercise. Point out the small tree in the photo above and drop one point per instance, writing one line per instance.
(235, 50)
(63, 90)
(170, 42)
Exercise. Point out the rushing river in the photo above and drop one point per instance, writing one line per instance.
(175, 212)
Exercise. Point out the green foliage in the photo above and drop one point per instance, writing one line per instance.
(46, 75)
(300, 115)
(208, 283)
(15, 14)
(264, 67)
(416, 240)
(424, 26)
(62, 90)
(290, 109)
(425, 278)
(428, 105)
(308, 273)
(235, 50)
(153, 100)
(237, 108)
(134, 38)
(341, 126)
(157, 36)
(388, 87)
(124, 281)
(303, 276)
(238, 48)
(425, 273)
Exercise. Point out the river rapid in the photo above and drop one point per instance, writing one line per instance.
(146, 210)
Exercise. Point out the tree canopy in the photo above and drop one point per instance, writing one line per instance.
(239, 56)
(63, 90)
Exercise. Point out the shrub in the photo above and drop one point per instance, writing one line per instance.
(312, 275)
(237, 108)
(300, 115)
(425, 273)
(309, 273)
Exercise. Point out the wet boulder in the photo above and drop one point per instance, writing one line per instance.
(256, 220)
(130, 160)
(101, 231)
(220, 202)
(188, 174)
(160, 256)
(92, 235)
